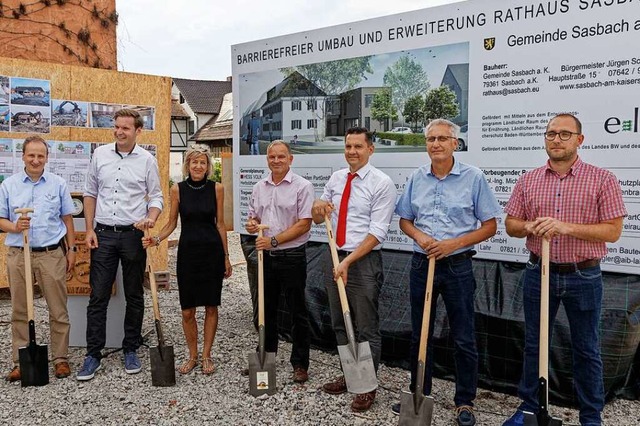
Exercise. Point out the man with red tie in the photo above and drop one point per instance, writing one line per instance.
(360, 200)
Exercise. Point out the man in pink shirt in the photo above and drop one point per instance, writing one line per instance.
(579, 208)
(283, 201)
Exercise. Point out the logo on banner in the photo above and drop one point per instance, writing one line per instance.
(614, 124)
(489, 43)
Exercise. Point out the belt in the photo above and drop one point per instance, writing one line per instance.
(344, 253)
(115, 228)
(52, 247)
(566, 268)
(287, 252)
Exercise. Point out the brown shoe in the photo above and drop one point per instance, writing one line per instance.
(363, 401)
(300, 375)
(336, 387)
(14, 375)
(62, 370)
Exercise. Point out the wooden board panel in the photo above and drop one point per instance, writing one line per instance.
(96, 85)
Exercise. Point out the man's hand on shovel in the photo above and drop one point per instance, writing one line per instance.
(24, 222)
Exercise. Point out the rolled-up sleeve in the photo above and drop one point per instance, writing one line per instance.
(305, 201)
(153, 185)
(382, 209)
(91, 183)
(403, 206)
(5, 211)
(66, 203)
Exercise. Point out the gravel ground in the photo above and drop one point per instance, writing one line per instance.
(115, 398)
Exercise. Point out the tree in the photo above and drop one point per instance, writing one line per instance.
(382, 108)
(412, 111)
(406, 78)
(61, 147)
(440, 102)
(333, 78)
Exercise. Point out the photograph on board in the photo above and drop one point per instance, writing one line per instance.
(394, 95)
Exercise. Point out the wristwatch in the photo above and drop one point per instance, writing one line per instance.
(73, 249)
(274, 242)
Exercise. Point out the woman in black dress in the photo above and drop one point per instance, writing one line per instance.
(203, 256)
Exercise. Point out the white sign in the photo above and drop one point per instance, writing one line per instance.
(511, 65)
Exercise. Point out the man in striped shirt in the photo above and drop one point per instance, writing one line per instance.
(579, 208)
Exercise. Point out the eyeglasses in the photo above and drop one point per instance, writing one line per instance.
(441, 139)
(565, 135)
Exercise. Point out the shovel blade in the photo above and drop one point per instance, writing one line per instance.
(410, 415)
(531, 419)
(358, 369)
(262, 376)
(163, 369)
(34, 365)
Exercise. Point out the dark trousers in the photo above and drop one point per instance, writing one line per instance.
(286, 271)
(113, 248)
(365, 279)
(581, 294)
(454, 281)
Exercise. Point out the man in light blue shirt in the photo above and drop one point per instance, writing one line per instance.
(440, 209)
(50, 223)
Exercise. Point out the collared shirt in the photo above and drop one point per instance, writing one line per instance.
(281, 205)
(371, 203)
(449, 207)
(121, 183)
(586, 194)
(50, 199)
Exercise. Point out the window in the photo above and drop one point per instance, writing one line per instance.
(312, 105)
(296, 124)
(367, 122)
(192, 127)
(296, 106)
(312, 123)
(368, 100)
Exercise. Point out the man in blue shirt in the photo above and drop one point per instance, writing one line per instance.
(440, 209)
(50, 223)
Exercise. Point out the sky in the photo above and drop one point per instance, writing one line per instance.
(193, 38)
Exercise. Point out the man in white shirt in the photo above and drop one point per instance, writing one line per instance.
(122, 192)
(361, 200)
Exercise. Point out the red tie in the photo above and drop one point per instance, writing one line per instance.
(341, 235)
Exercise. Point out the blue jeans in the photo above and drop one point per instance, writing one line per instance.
(453, 281)
(581, 294)
(254, 148)
(113, 248)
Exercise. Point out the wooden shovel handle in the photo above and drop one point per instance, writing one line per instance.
(543, 356)
(426, 312)
(336, 261)
(28, 275)
(261, 228)
(152, 281)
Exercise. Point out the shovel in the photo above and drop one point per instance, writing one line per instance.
(34, 359)
(543, 418)
(163, 370)
(416, 408)
(356, 359)
(262, 365)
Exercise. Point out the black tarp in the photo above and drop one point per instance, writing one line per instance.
(499, 325)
